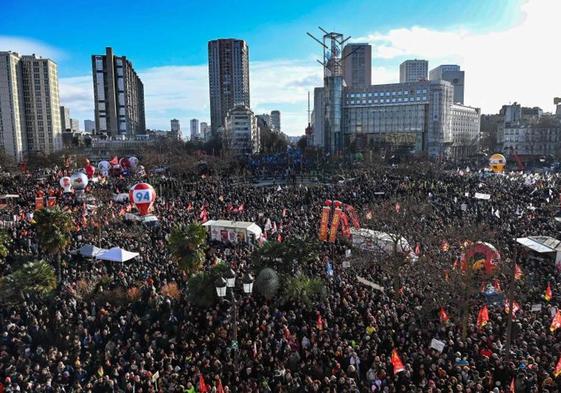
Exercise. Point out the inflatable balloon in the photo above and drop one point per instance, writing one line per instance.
(79, 181)
(497, 163)
(124, 163)
(90, 170)
(103, 166)
(483, 256)
(133, 162)
(66, 184)
(143, 197)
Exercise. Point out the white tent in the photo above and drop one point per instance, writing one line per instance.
(233, 231)
(370, 240)
(116, 254)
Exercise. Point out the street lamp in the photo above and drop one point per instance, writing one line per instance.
(247, 283)
(222, 284)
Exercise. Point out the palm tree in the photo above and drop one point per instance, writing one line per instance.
(53, 228)
(187, 246)
(33, 278)
(5, 242)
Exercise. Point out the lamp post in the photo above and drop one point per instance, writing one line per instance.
(222, 284)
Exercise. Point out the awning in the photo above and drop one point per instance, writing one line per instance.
(541, 244)
(89, 251)
(116, 254)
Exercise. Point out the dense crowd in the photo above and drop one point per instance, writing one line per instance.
(343, 343)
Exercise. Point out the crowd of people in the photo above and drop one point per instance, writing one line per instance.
(157, 340)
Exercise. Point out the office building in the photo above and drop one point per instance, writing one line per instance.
(119, 96)
(241, 134)
(65, 118)
(357, 65)
(194, 123)
(29, 105)
(265, 120)
(74, 125)
(12, 120)
(453, 74)
(89, 126)
(228, 66)
(204, 130)
(413, 71)
(276, 120)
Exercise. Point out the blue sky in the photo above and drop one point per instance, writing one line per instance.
(167, 42)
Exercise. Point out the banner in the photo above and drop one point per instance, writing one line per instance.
(324, 221)
(39, 203)
(335, 222)
(345, 225)
(353, 215)
(51, 202)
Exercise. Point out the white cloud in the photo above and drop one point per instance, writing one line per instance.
(521, 63)
(27, 46)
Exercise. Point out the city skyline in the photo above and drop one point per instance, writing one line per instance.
(484, 41)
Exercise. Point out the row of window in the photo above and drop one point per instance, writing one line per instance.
(386, 101)
(386, 93)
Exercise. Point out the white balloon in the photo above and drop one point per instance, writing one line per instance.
(103, 166)
(79, 181)
(133, 161)
(66, 183)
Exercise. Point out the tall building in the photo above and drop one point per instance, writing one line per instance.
(12, 120)
(204, 130)
(357, 65)
(65, 118)
(276, 120)
(194, 123)
(175, 128)
(413, 71)
(228, 68)
(29, 105)
(119, 96)
(74, 125)
(89, 126)
(453, 74)
(241, 134)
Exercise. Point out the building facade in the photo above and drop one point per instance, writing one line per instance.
(527, 132)
(241, 134)
(89, 126)
(118, 95)
(276, 120)
(415, 117)
(204, 130)
(413, 70)
(357, 65)
(194, 129)
(453, 74)
(12, 119)
(74, 125)
(29, 105)
(228, 67)
(65, 118)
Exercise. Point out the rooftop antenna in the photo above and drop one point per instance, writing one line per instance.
(309, 129)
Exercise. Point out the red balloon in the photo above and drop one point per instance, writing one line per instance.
(142, 195)
(90, 170)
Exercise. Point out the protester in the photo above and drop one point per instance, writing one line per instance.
(356, 340)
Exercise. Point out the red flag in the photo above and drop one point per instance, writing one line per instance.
(557, 370)
(556, 323)
(515, 307)
(483, 317)
(418, 249)
(319, 322)
(512, 386)
(443, 316)
(396, 363)
(353, 215)
(279, 238)
(204, 215)
(219, 387)
(203, 388)
(346, 229)
(114, 161)
(190, 207)
(397, 207)
(517, 272)
(548, 293)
